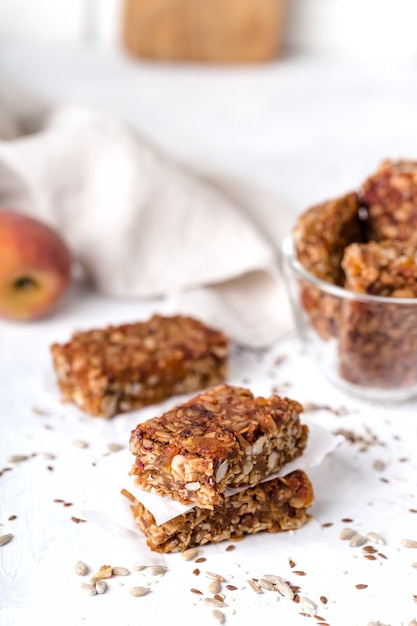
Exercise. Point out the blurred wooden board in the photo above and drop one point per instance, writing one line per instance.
(217, 31)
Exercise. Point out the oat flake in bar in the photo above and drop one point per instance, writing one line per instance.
(222, 438)
(121, 368)
(276, 505)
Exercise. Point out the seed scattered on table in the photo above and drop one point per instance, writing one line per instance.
(357, 540)
(375, 538)
(347, 533)
(5, 539)
(218, 615)
(196, 591)
(189, 554)
(215, 576)
(120, 571)
(81, 568)
(78, 443)
(214, 602)
(77, 520)
(114, 447)
(90, 590)
(101, 586)
(214, 586)
(409, 543)
(17, 458)
(139, 591)
(361, 586)
(284, 589)
(158, 570)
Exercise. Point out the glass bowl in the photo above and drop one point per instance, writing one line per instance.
(364, 344)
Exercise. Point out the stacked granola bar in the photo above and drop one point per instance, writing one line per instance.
(215, 451)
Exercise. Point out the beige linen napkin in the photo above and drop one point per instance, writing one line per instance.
(143, 225)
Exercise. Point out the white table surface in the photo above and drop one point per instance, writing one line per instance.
(305, 129)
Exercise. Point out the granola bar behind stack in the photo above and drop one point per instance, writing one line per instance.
(120, 368)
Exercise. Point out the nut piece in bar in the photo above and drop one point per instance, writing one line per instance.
(391, 197)
(320, 236)
(121, 368)
(223, 438)
(273, 506)
(378, 340)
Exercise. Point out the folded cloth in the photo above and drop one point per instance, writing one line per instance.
(141, 224)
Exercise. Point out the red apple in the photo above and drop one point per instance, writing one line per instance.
(35, 266)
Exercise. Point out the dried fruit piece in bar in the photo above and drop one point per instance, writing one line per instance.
(222, 438)
(276, 505)
(391, 197)
(120, 368)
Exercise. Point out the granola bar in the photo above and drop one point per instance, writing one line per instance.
(121, 368)
(391, 196)
(320, 236)
(222, 438)
(273, 506)
(378, 340)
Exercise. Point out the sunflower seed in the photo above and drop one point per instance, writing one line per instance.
(357, 540)
(17, 458)
(114, 447)
(81, 568)
(79, 444)
(409, 543)
(101, 586)
(284, 589)
(214, 602)
(347, 533)
(5, 539)
(375, 538)
(120, 571)
(266, 584)
(90, 590)
(273, 578)
(189, 554)
(158, 570)
(215, 576)
(139, 591)
(218, 615)
(214, 586)
(308, 604)
(254, 586)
